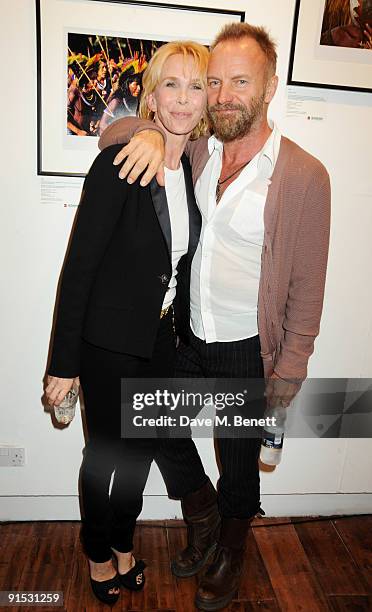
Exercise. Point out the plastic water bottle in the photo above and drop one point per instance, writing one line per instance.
(272, 436)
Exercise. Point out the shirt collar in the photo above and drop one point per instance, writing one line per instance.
(214, 144)
(266, 157)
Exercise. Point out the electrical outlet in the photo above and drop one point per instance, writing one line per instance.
(12, 456)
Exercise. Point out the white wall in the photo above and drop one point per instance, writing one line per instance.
(316, 476)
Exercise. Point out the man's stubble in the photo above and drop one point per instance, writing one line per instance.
(233, 127)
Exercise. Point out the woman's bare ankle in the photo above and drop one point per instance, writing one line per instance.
(125, 561)
(102, 571)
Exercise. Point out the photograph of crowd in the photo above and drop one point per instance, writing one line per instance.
(347, 23)
(104, 75)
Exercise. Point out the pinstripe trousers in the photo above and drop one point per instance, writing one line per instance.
(239, 482)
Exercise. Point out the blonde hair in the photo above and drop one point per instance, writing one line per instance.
(151, 76)
(237, 31)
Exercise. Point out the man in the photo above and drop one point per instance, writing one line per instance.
(257, 278)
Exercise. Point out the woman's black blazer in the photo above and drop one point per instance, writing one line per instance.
(118, 266)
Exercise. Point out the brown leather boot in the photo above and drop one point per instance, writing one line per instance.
(221, 581)
(200, 513)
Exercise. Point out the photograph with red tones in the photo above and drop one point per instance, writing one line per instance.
(104, 80)
(347, 23)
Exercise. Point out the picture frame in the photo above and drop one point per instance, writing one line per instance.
(118, 33)
(321, 53)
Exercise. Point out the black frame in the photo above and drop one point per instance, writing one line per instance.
(181, 7)
(291, 81)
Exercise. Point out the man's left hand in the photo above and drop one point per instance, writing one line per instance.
(280, 392)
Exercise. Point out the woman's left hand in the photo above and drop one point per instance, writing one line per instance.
(57, 388)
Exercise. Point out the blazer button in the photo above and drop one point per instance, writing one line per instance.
(164, 279)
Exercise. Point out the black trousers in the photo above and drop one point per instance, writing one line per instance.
(109, 519)
(239, 482)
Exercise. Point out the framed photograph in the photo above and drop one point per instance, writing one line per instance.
(91, 55)
(332, 45)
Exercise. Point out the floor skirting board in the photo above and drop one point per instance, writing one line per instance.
(65, 507)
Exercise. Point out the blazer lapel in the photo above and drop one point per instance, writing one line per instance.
(159, 200)
(194, 213)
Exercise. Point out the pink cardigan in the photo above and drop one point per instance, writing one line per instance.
(294, 254)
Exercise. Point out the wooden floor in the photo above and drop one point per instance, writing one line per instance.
(305, 565)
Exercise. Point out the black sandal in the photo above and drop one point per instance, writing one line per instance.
(101, 590)
(134, 580)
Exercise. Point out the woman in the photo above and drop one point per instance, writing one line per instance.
(124, 101)
(115, 316)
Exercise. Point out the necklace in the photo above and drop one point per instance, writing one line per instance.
(219, 183)
(89, 99)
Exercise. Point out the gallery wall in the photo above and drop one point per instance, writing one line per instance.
(322, 476)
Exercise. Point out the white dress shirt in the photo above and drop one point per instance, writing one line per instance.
(226, 267)
(175, 190)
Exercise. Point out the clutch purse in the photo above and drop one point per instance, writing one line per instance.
(65, 412)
